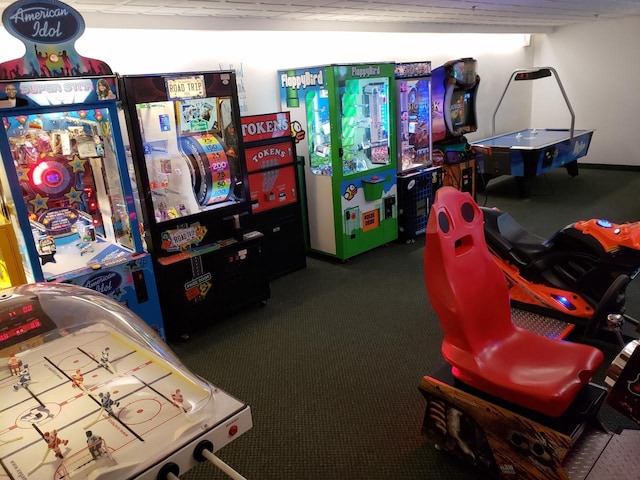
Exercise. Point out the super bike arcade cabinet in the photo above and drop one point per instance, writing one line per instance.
(188, 157)
(454, 93)
(66, 190)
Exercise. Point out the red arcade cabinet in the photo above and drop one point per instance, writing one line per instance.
(274, 184)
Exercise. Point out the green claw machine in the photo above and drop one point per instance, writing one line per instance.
(343, 119)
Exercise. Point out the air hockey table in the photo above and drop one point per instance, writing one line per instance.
(530, 152)
(89, 391)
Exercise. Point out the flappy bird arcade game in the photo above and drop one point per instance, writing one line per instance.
(188, 156)
(66, 188)
(346, 114)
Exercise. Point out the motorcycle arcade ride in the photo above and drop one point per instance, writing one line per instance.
(511, 402)
(578, 275)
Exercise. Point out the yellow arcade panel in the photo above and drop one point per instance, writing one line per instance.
(11, 271)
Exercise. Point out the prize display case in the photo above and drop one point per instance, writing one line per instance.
(89, 391)
(418, 180)
(66, 188)
(188, 158)
(344, 119)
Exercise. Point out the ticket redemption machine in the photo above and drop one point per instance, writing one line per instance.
(343, 117)
(188, 157)
(89, 391)
(454, 93)
(418, 179)
(65, 185)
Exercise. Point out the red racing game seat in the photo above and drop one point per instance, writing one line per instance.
(469, 293)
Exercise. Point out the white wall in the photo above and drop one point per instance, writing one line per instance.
(259, 54)
(599, 66)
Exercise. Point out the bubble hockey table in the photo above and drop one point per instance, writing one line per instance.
(89, 391)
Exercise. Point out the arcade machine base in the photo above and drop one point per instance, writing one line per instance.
(508, 441)
(502, 439)
(416, 191)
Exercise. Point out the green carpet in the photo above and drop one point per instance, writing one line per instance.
(331, 365)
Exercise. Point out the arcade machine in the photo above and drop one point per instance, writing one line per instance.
(89, 391)
(418, 179)
(188, 157)
(11, 269)
(531, 152)
(274, 184)
(65, 184)
(346, 115)
(513, 402)
(454, 93)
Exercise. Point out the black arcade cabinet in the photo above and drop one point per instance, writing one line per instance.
(188, 158)
(454, 94)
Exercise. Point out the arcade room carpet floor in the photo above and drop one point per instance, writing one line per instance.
(331, 365)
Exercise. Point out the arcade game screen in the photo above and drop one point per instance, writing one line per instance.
(67, 170)
(461, 110)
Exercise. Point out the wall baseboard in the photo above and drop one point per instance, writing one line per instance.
(608, 166)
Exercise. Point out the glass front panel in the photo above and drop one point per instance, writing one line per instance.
(68, 172)
(319, 128)
(365, 124)
(414, 127)
(190, 151)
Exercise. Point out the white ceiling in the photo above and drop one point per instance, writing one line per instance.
(527, 16)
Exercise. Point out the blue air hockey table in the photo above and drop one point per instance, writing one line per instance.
(530, 152)
(527, 153)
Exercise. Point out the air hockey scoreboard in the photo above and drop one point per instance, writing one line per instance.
(89, 391)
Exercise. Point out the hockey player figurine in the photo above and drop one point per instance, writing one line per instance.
(14, 364)
(24, 378)
(178, 400)
(77, 380)
(95, 444)
(104, 359)
(107, 403)
(53, 442)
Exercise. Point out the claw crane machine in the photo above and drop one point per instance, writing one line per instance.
(346, 114)
(418, 179)
(66, 189)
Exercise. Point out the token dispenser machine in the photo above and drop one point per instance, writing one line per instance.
(188, 157)
(65, 185)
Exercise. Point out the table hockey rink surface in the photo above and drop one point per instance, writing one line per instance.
(144, 429)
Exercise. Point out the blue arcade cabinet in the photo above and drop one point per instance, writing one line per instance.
(65, 186)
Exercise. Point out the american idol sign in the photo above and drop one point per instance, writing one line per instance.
(43, 21)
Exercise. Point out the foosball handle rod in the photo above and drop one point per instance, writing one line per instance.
(204, 451)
